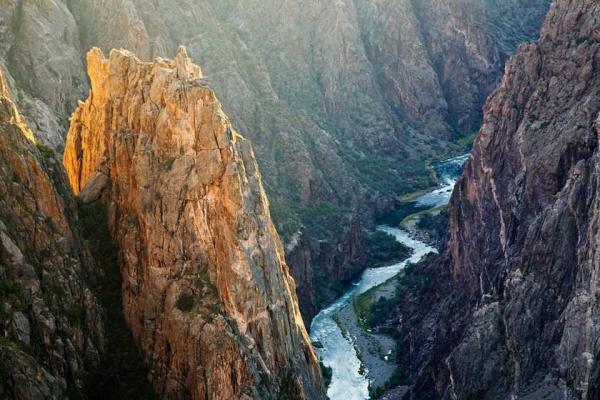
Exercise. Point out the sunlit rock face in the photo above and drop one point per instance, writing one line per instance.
(206, 290)
(512, 305)
(51, 331)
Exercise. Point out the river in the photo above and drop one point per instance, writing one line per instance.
(337, 351)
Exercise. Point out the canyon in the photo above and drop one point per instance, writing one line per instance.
(344, 101)
(149, 250)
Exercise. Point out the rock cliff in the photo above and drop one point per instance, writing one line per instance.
(51, 330)
(206, 290)
(510, 309)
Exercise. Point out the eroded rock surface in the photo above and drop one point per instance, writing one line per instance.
(206, 290)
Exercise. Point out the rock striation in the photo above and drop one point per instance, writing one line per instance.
(510, 309)
(51, 329)
(206, 290)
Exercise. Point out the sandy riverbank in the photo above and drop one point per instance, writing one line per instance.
(376, 350)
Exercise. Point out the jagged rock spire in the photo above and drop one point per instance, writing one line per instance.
(206, 291)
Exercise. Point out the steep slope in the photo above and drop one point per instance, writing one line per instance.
(319, 87)
(510, 309)
(51, 331)
(206, 291)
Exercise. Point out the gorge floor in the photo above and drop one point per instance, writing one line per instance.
(358, 357)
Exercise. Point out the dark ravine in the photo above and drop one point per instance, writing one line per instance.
(509, 308)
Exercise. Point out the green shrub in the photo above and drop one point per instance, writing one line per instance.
(45, 150)
(75, 314)
(185, 302)
(203, 281)
(466, 141)
(11, 292)
(399, 378)
(380, 311)
(168, 164)
(377, 392)
(327, 373)
(383, 248)
(324, 219)
(285, 219)
(6, 342)
(288, 390)
(436, 226)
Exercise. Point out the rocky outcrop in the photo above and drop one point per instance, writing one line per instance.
(465, 45)
(51, 330)
(344, 260)
(509, 311)
(206, 290)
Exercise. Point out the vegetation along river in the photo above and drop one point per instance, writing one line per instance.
(337, 348)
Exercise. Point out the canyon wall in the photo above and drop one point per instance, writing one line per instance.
(343, 100)
(510, 309)
(51, 328)
(206, 290)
